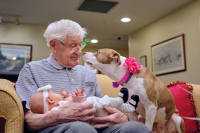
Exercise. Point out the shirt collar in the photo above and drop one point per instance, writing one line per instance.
(55, 64)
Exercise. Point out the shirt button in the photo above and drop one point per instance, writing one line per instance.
(72, 79)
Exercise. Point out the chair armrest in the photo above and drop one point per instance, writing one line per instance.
(196, 96)
(11, 107)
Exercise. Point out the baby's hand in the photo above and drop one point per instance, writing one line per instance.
(78, 96)
(79, 93)
(64, 93)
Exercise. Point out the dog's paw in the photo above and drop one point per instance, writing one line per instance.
(123, 94)
(134, 100)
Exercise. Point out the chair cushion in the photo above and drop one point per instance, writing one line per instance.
(105, 84)
(11, 107)
(185, 104)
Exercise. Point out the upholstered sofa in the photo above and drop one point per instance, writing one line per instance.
(11, 111)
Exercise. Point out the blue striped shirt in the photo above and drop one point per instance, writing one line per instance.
(36, 74)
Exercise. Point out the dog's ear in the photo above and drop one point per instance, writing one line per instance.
(116, 56)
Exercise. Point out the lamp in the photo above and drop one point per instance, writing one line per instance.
(16, 21)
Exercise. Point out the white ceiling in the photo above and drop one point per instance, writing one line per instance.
(106, 27)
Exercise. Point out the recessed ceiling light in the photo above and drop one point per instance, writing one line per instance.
(14, 58)
(125, 19)
(94, 41)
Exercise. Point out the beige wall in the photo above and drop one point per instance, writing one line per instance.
(183, 21)
(25, 34)
(33, 34)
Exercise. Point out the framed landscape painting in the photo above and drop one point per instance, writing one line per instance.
(169, 56)
(143, 60)
(13, 57)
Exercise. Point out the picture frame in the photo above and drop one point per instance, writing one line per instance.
(13, 57)
(143, 60)
(169, 56)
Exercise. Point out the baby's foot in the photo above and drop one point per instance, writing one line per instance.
(123, 94)
(134, 100)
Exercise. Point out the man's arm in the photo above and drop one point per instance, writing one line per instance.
(97, 88)
(37, 122)
(70, 111)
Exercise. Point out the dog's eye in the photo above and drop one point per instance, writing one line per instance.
(97, 51)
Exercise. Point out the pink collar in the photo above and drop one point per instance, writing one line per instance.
(131, 67)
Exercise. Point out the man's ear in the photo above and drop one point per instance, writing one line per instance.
(50, 100)
(52, 45)
(116, 56)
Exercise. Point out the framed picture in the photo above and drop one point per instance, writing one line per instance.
(143, 60)
(169, 56)
(13, 57)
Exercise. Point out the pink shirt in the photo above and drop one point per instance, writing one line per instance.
(60, 104)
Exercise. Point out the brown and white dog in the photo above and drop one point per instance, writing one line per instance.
(156, 104)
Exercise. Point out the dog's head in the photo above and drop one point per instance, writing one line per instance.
(106, 56)
(102, 56)
(108, 61)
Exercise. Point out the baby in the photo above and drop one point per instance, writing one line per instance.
(46, 100)
(52, 101)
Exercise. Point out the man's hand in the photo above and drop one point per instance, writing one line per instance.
(114, 117)
(74, 111)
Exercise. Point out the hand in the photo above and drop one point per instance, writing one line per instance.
(79, 93)
(78, 96)
(114, 117)
(74, 111)
(64, 93)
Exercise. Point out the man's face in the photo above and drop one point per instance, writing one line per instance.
(63, 52)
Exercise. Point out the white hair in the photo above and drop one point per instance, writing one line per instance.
(62, 29)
